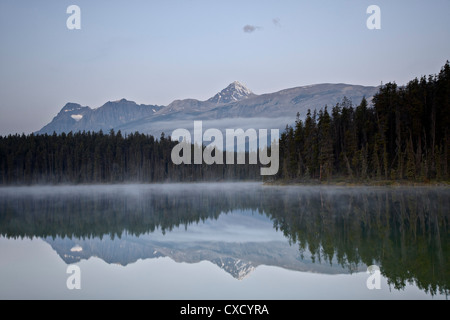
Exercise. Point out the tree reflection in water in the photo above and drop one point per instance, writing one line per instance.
(404, 230)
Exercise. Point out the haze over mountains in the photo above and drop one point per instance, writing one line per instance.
(234, 107)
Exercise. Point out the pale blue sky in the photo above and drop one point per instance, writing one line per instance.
(154, 52)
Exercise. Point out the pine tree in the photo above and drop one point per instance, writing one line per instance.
(410, 164)
(325, 145)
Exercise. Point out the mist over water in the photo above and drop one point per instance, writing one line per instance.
(241, 227)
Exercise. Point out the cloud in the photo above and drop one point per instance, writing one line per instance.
(250, 29)
(276, 22)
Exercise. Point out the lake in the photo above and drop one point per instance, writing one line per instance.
(224, 241)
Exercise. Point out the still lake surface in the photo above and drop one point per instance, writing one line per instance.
(224, 241)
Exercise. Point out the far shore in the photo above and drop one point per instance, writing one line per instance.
(274, 183)
(356, 183)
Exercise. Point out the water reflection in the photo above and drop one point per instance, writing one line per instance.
(331, 230)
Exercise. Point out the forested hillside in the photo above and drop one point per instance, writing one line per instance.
(405, 136)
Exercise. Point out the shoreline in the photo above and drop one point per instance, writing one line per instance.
(280, 183)
(377, 183)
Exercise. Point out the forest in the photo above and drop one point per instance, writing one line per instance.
(91, 157)
(402, 135)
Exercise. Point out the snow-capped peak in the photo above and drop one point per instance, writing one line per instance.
(71, 109)
(240, 87)
(236, 91)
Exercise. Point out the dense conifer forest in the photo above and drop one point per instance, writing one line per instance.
(404, 136)
(104, 158)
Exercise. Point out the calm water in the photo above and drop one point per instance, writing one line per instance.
(224, 241)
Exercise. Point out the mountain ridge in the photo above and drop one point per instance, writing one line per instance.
(236, 101)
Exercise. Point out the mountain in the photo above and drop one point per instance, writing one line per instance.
(116, 113)
(66, 119)
(112, 114)
(235, 106)
(234, 92)
(287, 103)
(266, 111)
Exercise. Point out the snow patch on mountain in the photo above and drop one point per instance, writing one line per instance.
(77, 117)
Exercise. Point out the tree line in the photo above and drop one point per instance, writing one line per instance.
(404, 136)
(95, 157)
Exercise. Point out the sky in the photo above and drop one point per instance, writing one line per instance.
(154, 52)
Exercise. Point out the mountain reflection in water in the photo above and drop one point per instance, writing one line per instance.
(329, 229)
